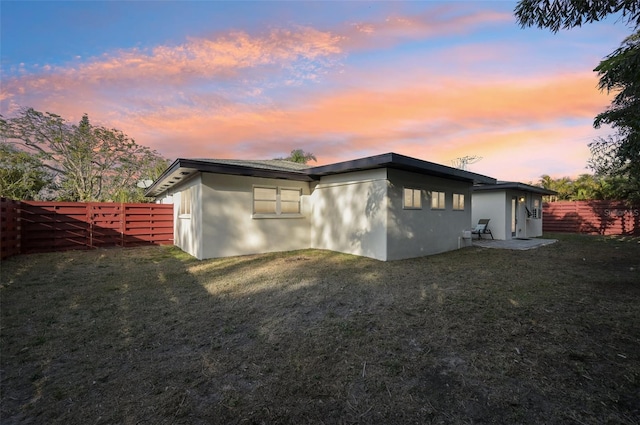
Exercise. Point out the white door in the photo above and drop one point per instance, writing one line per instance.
(514, 216)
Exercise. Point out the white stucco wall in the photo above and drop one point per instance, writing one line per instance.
(349, 213)
(185, 231)
(425, 231)
(495, 206)
(534, 225)
(229, 227)
(359, 213)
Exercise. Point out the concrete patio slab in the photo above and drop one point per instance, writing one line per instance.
(516, 244)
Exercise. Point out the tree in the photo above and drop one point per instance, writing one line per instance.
(562, 185)
(617, 156)
(300, 156)
(585, 187)
(566, 14)
(620, 155)
(22, 176)
(90, 163)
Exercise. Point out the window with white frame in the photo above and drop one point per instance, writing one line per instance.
(185, 202)
(458, 201)
(265, 200)
(412, 198)
(289, 201)
(537, 212)
(276, 201)
(437, 200)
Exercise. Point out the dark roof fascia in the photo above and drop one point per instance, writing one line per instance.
(401, 162)
(213, 167)
(514, 186)
(171, 176)
(239, 170)
(152, 191)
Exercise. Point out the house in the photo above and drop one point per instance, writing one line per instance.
(386, 207)
(514, 209)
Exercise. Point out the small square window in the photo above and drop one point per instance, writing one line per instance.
(458, 201)
(437, 200)
(412, 198)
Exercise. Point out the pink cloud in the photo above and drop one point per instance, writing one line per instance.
(438, 21)
(209, 97)
(439, 122)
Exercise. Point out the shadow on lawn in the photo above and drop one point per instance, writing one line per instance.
(149, 334)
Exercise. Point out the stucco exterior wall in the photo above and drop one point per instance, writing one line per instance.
(495, 206)
(349, 213)
(185, 231)
(229, 227)
(534, 224)
(425, 231)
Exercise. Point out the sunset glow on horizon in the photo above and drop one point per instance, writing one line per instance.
(343, 80)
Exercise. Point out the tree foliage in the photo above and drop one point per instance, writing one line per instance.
(566, 14)
(620, 155)
(22, 176)
(616, 157)
(585, 187)
(300, 156)
(90, 163)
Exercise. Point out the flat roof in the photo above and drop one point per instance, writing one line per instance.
(513, 186)
(401, 162)
(183, 168)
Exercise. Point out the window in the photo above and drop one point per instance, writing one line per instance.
(265, 200)
(458, 201)
(276, 201)
(412, 199)
(290, 201)
(537, 213)
(185, 202)
(437, 200)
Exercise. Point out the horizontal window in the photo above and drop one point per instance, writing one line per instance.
(276, 201)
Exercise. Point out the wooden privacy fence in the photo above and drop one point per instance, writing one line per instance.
(594, 217)
(9, 227)
(31, 226)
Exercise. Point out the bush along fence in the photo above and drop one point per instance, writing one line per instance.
(30, 226)
(592, 217)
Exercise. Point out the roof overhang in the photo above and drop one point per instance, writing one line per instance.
(400, 162)
(182, 169)
(514, 186)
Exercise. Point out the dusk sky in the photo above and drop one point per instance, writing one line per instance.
(343, 80)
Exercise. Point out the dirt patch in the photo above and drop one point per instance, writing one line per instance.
(150, 335)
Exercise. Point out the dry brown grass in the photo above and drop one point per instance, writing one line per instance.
(151, 336)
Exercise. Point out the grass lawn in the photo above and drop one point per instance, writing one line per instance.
(475, 336)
